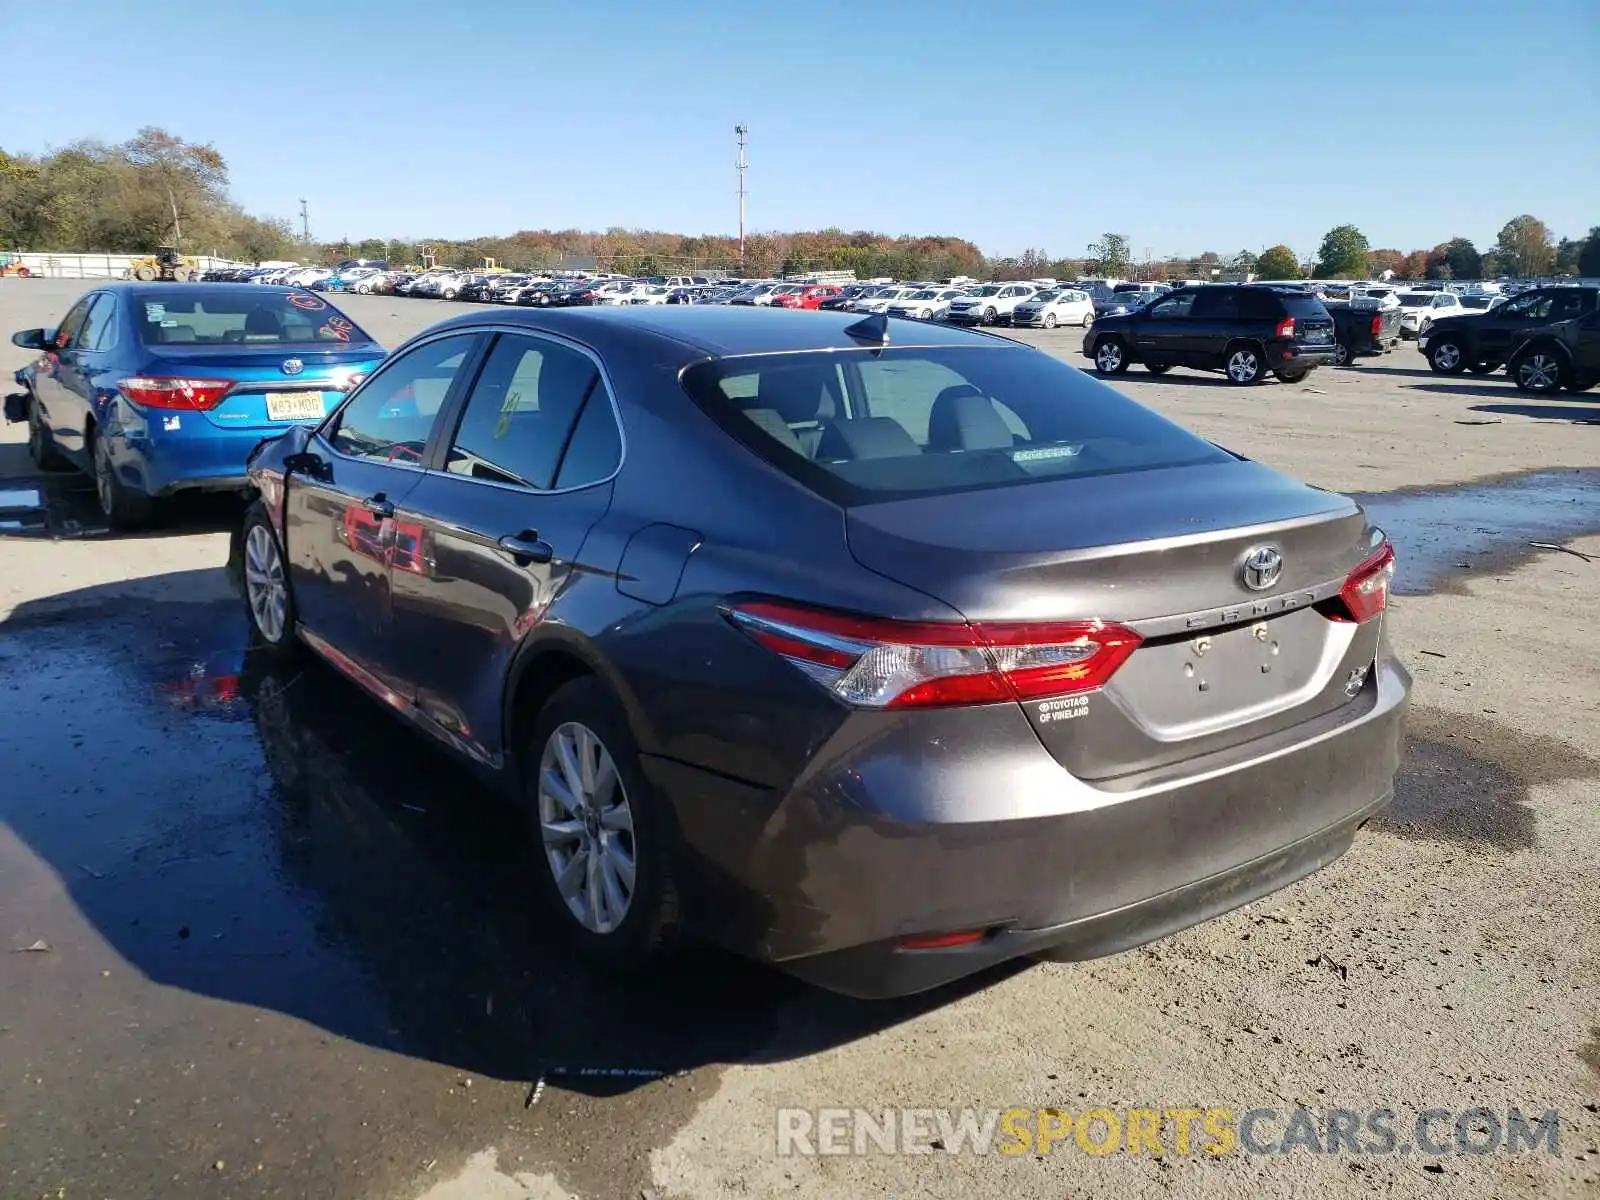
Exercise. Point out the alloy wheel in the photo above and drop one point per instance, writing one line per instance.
(264, 583)
(104, 484)
(1088, 318)
(1539, 372)
(1049, 320)
(1108, 357)
(1243, 366)
(1447, 356)
(587, 827)
(1341, 355)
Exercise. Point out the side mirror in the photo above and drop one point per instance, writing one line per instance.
(304, 462)
(32, 339)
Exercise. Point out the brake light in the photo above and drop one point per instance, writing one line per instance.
(190, 395)
(1377, 326)
(874, 662)
(1286, 327)
(1365, 593)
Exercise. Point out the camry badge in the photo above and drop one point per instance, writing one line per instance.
(293, 366)
(1261, 568)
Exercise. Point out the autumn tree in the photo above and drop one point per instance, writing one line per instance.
(1415, 265)
(1525, 247)
(1343, 254)
(1110, 254)
(189, 176)
(1589, 256)
(1278, 262)
(1379, 261)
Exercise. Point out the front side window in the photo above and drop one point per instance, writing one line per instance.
(1535, 306)
(1215, 304)
(98, 331)
(1173, 307)
(391, 417)
(67, 331)
(521, 414)
(864, 426)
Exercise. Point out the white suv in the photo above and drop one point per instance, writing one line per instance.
(991, 303)
(926, 304)
(1419, 310)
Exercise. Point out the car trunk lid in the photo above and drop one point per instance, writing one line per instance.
(273, 389)
(1162, 552)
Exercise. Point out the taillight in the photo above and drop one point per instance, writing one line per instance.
(874, 662)
(1365, 593)
(1377, 326)
(1286, 327)
(191, 395)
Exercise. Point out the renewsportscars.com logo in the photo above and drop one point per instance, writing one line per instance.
(1163, 1131)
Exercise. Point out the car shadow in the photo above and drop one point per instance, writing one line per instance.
(265, 834)
(1370, 367)
(62, 504)
(1577, 411)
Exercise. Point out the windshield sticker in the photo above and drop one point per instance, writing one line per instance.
(330, 330)
(1044, 452)
(154, 311)
(306, 301)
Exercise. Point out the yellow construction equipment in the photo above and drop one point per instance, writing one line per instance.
(165, 264)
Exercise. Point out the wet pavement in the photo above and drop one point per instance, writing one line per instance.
(1441, 533)
(260, 840)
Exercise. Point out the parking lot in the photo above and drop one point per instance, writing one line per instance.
(260, 941)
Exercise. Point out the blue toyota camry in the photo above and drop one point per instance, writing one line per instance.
(157, 388)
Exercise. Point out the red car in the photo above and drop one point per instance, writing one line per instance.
(807, 297)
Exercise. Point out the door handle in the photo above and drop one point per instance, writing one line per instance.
(527, 547)
(378, 505)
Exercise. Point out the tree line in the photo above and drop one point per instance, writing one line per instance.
(156, 189)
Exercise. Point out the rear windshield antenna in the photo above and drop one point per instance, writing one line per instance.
(873, 329)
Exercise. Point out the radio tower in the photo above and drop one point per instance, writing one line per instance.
(740, 133)
(305, 222)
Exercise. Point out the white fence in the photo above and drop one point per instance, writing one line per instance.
(94, 266)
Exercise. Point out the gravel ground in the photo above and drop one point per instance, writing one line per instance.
(280, 963)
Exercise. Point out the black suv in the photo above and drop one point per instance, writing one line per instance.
(1243, 330)
(1485, 341)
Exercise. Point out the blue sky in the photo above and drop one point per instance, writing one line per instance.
(1187, 126)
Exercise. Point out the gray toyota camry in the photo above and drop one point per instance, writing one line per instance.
(873, 649)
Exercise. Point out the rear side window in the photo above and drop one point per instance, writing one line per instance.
(864, 426)
(1260, 306)
(187, 314)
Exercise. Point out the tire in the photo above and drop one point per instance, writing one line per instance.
(989, 315)
(926, 314)
(145, 274)
(1158, 368)
(1484, 368)
(1242, 363)
(1110, 356)
(41, 444)
(448, 294)
(1538, 370)
(264, 586)
(1088, 318)
(580, 717)
(1447, 357)
(1292, 376)
(123, 509)
(1422, 329)
(1049, 320)
(1342, 356)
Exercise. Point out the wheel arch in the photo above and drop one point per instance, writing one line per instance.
(544, 663)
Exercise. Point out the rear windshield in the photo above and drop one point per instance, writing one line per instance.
(1416, 299)
(1302, 304)
(861, 426)
(239, 316)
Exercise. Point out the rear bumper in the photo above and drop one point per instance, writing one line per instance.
(159, 462)
(965, 822)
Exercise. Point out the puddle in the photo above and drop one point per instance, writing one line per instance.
(1465, 780)
(1484, 525)
(21, 498)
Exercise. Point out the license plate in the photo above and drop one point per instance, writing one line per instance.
(1317, 337)
(294, 406)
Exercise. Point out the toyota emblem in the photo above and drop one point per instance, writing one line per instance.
(1261, 568)
(293, 366)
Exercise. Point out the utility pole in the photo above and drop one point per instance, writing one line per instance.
(305, 222)
(740, 133)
